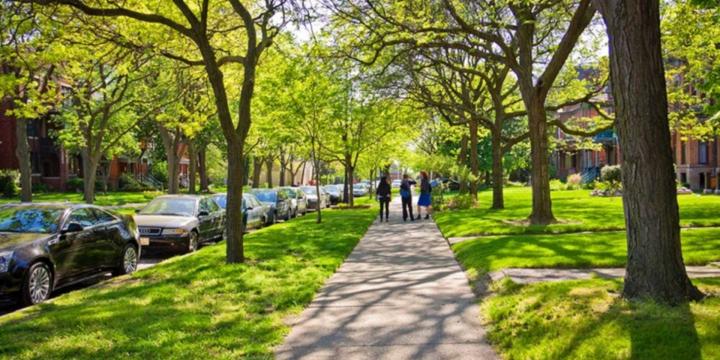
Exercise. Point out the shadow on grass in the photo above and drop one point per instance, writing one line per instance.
(193, 306)
(588, 319)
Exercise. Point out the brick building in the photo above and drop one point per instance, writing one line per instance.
(52, 164)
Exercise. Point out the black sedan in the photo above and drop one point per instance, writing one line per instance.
(279, 202)
(180, 222)
(44, 247)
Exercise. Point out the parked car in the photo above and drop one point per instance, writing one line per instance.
(279, 202)
(44, 247)
(298, 200)
(254, 212)
(313, 201)
(396, 183)
(335, 192)
(360, 190)
(180, 222)
(326, 196)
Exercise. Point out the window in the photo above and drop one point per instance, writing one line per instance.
(205, 206)
(84, 217)
(703, 153)
(212, 206)
(683, 155)
(103, 217)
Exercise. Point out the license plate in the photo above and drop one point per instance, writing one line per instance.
(144, 241)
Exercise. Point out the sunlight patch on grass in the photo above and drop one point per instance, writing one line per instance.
(587, 319)
(581, 250)
(576, 210)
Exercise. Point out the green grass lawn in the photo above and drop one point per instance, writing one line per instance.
(117, 198)
(576, 211)
(194, 306)
(579, 250)
(587, 319)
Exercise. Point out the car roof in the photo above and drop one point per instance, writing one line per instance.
(264, 190)
(181, 196)
(51, 205)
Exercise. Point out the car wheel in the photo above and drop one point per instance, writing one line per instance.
(128, 262)
(37, 284)
(192, 243)
(287, 215)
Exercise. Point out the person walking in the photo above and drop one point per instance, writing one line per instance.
(406, 196)
(383, 193)
(425, 199)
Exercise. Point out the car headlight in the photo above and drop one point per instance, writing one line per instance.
(5, 257)
(174, 231)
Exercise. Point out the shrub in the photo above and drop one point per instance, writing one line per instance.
(129, 183)
(39, 188)
(75, 185)
(158, 170)
(574, 182)
(460, 202)
(556, 185)
(8, 183)
(611, 173)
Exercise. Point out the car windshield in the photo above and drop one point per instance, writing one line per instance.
(170, 206)
(221, 200)
(309, 190)
(29, 220)
(266, 196)
(358, 186)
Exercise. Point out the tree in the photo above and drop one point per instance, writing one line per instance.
(534, 39)
(29, 57)
(194, 29)
(104, 87)
(655, 267)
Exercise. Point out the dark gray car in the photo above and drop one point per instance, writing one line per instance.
(180, 222)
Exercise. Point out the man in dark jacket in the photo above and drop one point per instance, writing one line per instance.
(406, 196)
(383, 193)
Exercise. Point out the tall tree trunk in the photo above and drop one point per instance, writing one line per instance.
(474, 163)
(497, 170)
(316, 169)
(22, 152)
(542, 213)
(655, 267)
(302, 180)
(257, 168)
(269, 176)
(346, 193)
(171, 142)
(90, 164)
(234, 246)
(192, 168)
(462, 160)
(202, 169)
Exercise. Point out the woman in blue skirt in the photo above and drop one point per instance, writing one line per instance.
(425, 199)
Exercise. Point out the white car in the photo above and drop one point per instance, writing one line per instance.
(396, 183)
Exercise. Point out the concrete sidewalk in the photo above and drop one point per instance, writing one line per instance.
(399, 295)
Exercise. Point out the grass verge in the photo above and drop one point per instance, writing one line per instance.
(581, 250)
(576, 211)
(103, 199)
(193, 306)
(587, 319)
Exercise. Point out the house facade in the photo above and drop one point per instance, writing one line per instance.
(696, 161)
(52, 164)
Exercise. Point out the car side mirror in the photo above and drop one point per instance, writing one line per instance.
(73, 227)
(203, 213)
